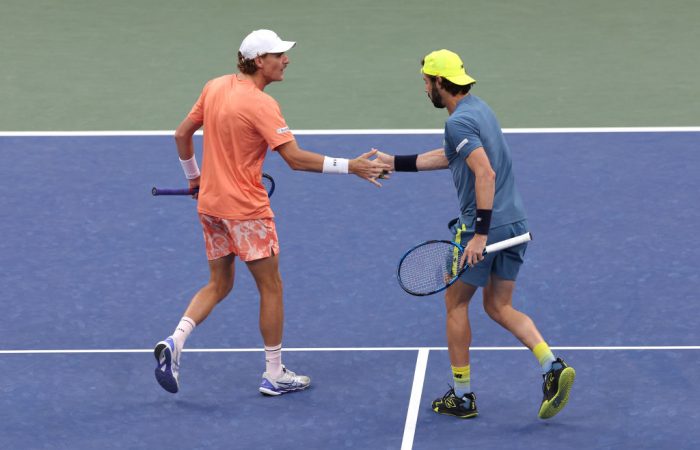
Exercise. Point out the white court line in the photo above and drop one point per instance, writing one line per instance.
(345, 349)
(409, 430)
(354, 132)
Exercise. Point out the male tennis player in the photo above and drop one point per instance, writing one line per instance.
(491, 210)
(241, 122)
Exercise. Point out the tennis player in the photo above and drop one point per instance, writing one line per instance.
(241, 122)
(491, 210)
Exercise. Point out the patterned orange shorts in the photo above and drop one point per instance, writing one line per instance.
(247, 239)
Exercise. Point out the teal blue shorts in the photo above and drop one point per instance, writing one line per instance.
(504, 264)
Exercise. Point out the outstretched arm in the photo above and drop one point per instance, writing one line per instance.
(362, 166)
(430, 160)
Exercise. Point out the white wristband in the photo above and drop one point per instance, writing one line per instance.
(335, 165)
(190, 167)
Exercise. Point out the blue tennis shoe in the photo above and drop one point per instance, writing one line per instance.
(167, 364)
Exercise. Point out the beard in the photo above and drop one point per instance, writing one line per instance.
(434, 97)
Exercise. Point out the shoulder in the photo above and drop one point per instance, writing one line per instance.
(217, 80)
(216, 83)
(265, 105)
(461, 119)
(266, 99)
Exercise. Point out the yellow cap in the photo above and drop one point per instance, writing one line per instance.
(446, 64)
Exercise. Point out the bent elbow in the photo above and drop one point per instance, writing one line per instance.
(488, 175)
(295, 165)
(180, 136)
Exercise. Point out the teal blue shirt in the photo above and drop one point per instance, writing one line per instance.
(472, 125)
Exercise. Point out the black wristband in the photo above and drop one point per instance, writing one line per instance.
(483, 221)
(405, 163)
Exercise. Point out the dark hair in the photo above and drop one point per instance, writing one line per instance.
(246, 66)
(453, 89)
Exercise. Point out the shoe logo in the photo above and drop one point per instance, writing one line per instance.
(450, 403)
(161, 360)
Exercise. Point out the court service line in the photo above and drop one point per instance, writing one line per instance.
(409, 430)
(98, 133)
(343, 349)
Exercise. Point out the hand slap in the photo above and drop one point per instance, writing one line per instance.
(369, 169)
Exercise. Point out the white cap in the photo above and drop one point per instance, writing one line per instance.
(261, 42)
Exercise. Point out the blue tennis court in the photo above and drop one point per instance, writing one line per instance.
(95, 271)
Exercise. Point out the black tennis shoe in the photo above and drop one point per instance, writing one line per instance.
(451, 405)
(556, 387)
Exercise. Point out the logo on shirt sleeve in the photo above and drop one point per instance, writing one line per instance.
(462, 144)
(282, 130)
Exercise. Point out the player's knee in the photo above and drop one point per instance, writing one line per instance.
(273, 285)
(497, 313)
(222, 287)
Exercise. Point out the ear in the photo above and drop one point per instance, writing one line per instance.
(259, 62)
(438, 82)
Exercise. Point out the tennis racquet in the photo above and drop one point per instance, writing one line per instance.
(267, 181)
(433, 266)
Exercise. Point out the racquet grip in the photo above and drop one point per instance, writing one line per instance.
(512, 242)
(159, 191)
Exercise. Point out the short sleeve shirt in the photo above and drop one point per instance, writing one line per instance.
(240, 123)
(472, 125)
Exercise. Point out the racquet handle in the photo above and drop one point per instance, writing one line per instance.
(159, 191)
(512, 242)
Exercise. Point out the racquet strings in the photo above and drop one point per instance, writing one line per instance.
(429, 267)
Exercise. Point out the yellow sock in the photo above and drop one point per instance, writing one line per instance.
(544, 355)
(462, 380)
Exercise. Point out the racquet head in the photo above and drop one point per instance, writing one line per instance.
(269, 184)
(429, 267)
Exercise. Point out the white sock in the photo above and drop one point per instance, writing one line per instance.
(183, 330)
(273, 360)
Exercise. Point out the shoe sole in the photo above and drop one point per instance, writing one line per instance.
(555, 405)
(271, 393)
(468, 416)
(165, 378)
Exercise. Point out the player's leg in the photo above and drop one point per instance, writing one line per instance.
(276, 379)
(459, 333)
(220, 254)
(167, 352)
(498, 303)
(260, 250)
(269, 282)
(558, 377)
(221, 277)
(459, 401)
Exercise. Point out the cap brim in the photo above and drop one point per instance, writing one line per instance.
(282, 46)
(461, 80)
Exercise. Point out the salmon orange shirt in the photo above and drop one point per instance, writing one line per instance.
(240, 123)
